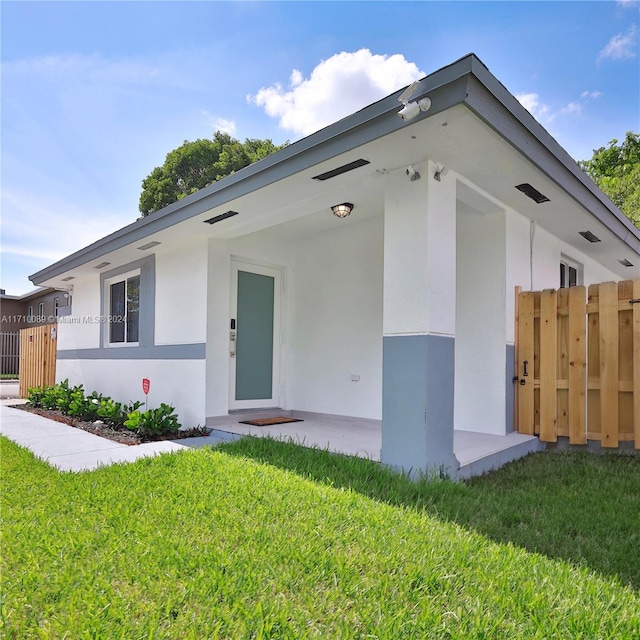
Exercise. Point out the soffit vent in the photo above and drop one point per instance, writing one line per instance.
(625, 263)
(102, 265)
(343, 169)
(591, 237)
(222, 216)
(153, 243)
(532, 192)
(68, 278)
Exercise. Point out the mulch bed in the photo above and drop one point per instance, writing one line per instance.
(122, 435)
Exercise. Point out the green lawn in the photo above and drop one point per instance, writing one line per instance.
(267, 540)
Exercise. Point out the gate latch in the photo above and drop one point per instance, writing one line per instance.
(634, 301)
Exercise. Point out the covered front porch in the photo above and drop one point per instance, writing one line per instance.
(476, 452)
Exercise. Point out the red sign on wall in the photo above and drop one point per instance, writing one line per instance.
(146, 384)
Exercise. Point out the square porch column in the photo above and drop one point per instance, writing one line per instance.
(419, 320)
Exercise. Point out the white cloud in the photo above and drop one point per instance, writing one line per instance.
(622, 46)
(545, 114)
(336, 87)
(531, 102)
(220, 124)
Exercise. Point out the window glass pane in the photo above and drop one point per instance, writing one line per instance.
(117, 312)
(562, 276)
(573, 276)
(133, 308)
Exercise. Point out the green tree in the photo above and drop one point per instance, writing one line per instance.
(195, 165)
(616, 170)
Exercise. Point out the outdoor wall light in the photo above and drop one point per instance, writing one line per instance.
(411, 109)
(342, 210)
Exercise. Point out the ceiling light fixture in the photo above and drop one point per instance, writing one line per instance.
(342, 210)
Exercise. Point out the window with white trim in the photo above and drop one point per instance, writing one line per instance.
(123, 309)
(56, 306)
(570, 272)
(41, 310)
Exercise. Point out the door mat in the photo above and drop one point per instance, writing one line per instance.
(267, 422)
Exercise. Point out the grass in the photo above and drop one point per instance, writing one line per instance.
(247, 542)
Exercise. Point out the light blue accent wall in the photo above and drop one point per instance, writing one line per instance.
(509, 388)
(417, 403)
(254, 346)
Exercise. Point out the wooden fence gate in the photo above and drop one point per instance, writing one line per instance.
(578, 363)
(37, 357)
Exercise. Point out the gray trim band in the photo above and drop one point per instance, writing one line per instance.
(196, 351)
(509, 389)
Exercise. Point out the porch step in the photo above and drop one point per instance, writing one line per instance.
(478, 453)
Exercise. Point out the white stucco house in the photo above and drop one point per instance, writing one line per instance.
(252, 294)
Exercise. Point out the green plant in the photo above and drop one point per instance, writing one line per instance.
(153, 421)
(115, 413)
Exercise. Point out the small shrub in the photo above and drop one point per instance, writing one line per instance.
(115, 413)
(153, 421)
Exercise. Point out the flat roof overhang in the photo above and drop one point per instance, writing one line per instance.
(474, 126)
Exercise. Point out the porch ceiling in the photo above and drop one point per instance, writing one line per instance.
(455, 137)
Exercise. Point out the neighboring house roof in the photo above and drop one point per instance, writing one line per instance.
(30, 295)
(474, 125)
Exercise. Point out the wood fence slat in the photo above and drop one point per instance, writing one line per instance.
(516, 360)
(636, 362)
(608, 296)
(37, 357)
(577, 366)
(548, 365)
(525, 354)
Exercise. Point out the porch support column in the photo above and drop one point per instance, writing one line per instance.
(419, 324)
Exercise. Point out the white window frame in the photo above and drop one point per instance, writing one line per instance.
(108, 282)
(41, 311)
(56, 306)
(570, 263)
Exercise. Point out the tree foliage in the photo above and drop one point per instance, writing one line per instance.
(195, 165)
(616, 170)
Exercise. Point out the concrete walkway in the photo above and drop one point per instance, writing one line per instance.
(71, 449)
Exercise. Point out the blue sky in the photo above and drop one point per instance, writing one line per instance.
(94, 94)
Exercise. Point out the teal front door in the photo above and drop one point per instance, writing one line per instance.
(254, 336)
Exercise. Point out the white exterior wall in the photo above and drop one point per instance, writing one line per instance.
(179, 383)
(180, 318)
(181, 302)
(534, 264)
(337, 329)
(331, 317)
(82, 329)
(480, 321)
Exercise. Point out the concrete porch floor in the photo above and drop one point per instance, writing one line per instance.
(476, 452)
